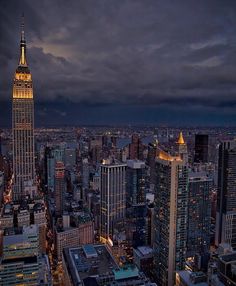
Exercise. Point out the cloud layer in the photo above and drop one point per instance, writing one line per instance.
(126, 56)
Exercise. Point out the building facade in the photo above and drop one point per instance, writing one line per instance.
(59, 187)
(135, 182)
(201, 148)
(226, 195)
(170, 217)
(199, 213)
(113, 198)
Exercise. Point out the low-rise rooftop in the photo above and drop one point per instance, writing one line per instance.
(87, 261)
(192, 278)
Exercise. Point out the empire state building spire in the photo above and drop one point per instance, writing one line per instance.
(23, 44)
(23, 125)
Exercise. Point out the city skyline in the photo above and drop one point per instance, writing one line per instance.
(112, 195)
(125, 63)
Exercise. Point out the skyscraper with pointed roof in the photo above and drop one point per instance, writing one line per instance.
(22, 124)
(182, 148)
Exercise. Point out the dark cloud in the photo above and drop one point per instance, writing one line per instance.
(118, 55)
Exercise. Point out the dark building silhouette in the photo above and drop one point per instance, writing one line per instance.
(135, 182)
(136, 148)
(152, 153)
(201, 148)
(226, 196)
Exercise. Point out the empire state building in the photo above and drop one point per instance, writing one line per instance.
(23, 125)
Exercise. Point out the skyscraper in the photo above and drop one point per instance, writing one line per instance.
(59, 186)
(201, 148)
(113, 188)
(135, 182)
(199, 213)
(182, 148)
(136, 148)
(22, 124)
(170, 217)
(226, 195)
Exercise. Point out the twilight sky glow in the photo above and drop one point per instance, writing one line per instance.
(123, 62)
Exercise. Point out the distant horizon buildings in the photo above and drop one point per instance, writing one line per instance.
(23, 125)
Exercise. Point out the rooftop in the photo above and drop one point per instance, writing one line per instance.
(192, 278)
(126, 273)
(198, 176)
(228, 257)
(144, 251)
(135, 164)
(167, 157)
(87, 261)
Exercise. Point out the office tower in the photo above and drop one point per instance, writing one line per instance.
(96, 182)
(150, 225)
(226, 269)
(135, 182)
(143, 258)
(137, 225)
(38, 214)
(136, 148)
(70, 157)
(182, 148)
(95, 150)
(52, 155)
(170, 217)
(152, 153)
(85, 173)
(113, 200)
(59, 187)
(201, 148)
(226, 196)
(22, 125)
(199, 214)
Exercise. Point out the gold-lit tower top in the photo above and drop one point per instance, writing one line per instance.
(181, 139)
(22, 81)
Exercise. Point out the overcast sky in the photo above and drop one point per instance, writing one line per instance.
(123, 62)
